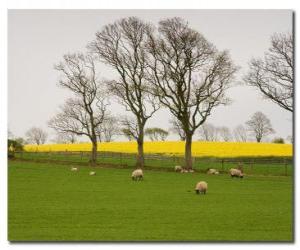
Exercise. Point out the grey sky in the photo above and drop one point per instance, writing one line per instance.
(37, 39)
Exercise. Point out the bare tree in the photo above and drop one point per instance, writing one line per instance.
(129, 128)
(190, 76)
(121, 45)
(240, 133)
(260, 126)
(208, 132)
(36, 135)
(83, 114)
(65, 137)
(156, 134)
(177, 128)
(274, 75)
(224, 133)
(108, 129)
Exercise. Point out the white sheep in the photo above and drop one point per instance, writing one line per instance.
(92, 173)
(184, 171)
(178, 168)
(137, 175)
(74, 169)
(236, 173)
(201, 187)
(212, 171)
(191, 170)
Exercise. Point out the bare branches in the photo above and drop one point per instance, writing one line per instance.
(260, 126)
(240, 133)
(36, 135)
(84, 113)
(189, 75)
(274, 75)
(121, 45)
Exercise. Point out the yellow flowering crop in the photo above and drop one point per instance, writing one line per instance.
(200, 149)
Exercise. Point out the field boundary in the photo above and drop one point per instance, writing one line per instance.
(254, 166)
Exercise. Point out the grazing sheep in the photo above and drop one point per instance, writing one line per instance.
(212, 171)
(191, 170)
(184, 171)
(178, 168)
(137, 175)
(236, 173)
(201, 187)
(92, 173)
(74, 169)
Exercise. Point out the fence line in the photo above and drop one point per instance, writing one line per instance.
(265, 165)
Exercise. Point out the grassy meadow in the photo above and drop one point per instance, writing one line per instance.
(48, 202)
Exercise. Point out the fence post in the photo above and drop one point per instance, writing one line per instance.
(222, 165)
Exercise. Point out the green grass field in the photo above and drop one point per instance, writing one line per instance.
(48, 202)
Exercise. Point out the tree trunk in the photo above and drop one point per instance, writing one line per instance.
(188, 152)
(140, 156)
(93, 159)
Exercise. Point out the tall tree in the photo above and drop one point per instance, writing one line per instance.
(36, 135)
(121, 45)
(240, 133)
(84, 113)
(274, 75)
(190, 76)
(260, 126)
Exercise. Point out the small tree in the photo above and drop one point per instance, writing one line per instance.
(240, 133)
(36, 135)
(66, 137)
(224, 133)
(208, 132)
(108, 129)
(260, 126)
(274, 75)
(156, 134)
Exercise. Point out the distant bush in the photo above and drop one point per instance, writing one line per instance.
(13, 146)
(278, 140)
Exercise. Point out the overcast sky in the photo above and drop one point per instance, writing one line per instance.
(37, 39)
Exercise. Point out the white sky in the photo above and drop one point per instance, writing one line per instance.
(37, 39)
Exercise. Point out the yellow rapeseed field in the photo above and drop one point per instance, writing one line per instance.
(200, 149)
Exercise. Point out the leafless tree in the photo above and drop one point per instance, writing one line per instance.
(84, 113)
(121, 45)
(240, 133)
(36, 135)
(108, 129)
(129, 128)
(156, 134)
(65, 137)
(190, 76)
(177, 128)
(224, 133)
(274, 75)
(208, 132)
(260, 126)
